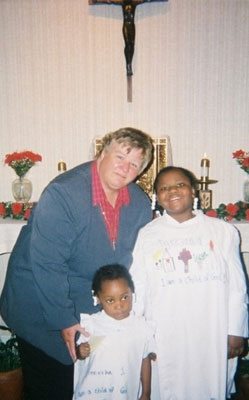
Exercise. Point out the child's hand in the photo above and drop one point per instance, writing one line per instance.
(144, 397)
(152, 356)
(83, 351)
(236, 346)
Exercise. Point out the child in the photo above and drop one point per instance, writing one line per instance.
(114, 359)
(189, 281)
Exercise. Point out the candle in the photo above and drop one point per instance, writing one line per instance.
(205, 164)
(62, 167)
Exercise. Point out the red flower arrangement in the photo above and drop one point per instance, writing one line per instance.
(242, 158)
(16, 210)
(22, 162)
(238, 211)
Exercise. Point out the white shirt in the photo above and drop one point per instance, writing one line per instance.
(189, 281)
(112, 371)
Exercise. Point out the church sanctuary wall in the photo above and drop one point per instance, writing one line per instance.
(63, 82)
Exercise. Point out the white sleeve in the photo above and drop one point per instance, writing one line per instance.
(86, 323)
(139, 276)
(150, 346)
(238, 298)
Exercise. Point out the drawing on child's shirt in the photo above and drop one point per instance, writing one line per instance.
(199, 258)
(185, 256)
(163, 260)
(211, 245)
(194, 259)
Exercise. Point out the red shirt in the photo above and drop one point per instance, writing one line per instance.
(110, 214)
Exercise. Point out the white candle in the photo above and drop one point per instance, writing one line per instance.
(205, 165)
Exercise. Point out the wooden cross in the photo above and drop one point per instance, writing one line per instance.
(129, 31)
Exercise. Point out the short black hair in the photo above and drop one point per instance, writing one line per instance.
(188, 174)
(111, 273)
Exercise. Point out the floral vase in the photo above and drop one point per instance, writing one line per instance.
(246, 190)
(22, 189)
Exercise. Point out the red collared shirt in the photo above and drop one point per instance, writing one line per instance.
(110, 214)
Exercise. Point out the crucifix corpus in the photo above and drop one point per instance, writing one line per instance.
(129, 31)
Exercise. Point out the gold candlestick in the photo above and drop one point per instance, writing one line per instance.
(62, 167)
(203, 192)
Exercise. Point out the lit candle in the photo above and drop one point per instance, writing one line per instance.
(205, 164)
(62, 167)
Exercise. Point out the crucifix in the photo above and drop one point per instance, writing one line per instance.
(129, 31)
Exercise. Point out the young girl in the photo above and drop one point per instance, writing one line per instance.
(114, 359)
(189, 281)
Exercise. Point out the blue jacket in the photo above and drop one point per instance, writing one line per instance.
(50, 271)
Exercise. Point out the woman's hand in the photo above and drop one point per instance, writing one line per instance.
(68, 335)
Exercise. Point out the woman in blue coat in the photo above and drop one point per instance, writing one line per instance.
(85, 218)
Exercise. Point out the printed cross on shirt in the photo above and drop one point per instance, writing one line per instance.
(185, 256)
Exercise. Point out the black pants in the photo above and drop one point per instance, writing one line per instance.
(44, 378)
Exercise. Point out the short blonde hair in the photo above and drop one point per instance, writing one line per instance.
(134, 138)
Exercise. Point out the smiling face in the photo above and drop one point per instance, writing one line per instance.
(175, 195)
(118, 166)
(116, 298)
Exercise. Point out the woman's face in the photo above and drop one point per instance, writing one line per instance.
(175, 195)
(118, 166)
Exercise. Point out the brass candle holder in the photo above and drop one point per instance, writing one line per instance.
(203, 191)
(62, 167)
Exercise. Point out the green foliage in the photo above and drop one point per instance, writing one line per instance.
(9, 354)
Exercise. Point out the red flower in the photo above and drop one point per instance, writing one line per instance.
(247, 214)
(212, 213)
(17, 208)
(22, 162)
(24, 155)
(232, 209)
(229, 218)
(238, 154)
(242, 158)
(27, 213)
(245, 162)
(2, 210)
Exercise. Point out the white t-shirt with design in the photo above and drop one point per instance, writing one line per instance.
(112, 371)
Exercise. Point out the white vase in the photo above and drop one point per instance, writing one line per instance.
(22, 189)
(246, 190)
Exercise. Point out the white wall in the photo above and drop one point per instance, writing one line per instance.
(63, 82)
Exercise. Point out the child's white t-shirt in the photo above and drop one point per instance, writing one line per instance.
(113, 369)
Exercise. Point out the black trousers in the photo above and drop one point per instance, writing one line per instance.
(44, 378)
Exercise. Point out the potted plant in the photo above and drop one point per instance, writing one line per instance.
(11, 385)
